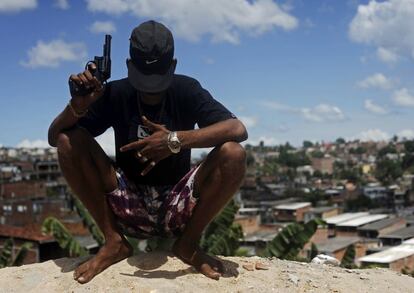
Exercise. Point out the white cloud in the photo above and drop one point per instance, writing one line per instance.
(387, 55)
(267, 140)
(107, 142)
(38, 143)
(388, 25)
(55, 52)
(373, 135)
(105, 27)
(248, 121)
(406, 133)
(278, 106)
(374, 108)
(17, 5)
(62, 4)
(222, 20)
(322, 113)
(377, 80)
(404, 98)
(319, 113)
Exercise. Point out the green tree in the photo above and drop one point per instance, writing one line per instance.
(389, 149)
(362, 202)
(317, 154)
(314, 196)
(65, 239)
(340, 140)
(409, 146)
(314, 251)
(88, 221)
(289, 241)
(222, 236)
(250, 159)
(349, 257)
(307, 144)
(6, 254)
(388, 171)
(270, 167)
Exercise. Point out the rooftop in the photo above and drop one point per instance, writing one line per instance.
(293, 206)
(344, 217)
(30, 232)
(404, 233)
(390, 255)
(322, 209)
(362, 220)
(260, 236)
(381, 224)
(331, 245)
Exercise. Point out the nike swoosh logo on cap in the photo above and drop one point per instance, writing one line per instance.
(150, 62)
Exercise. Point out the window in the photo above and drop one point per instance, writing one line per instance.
(7, 209)
(21, 208)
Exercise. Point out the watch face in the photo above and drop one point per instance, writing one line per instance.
(175, 144)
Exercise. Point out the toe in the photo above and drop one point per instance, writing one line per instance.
(79, 271)
(209, 272)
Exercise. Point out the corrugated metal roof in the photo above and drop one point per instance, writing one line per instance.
(336, 243)
(362, 220)
(381, 224)
(389, 255)
(322, 209)
(293, 206)
(404, 233)
(344, 217)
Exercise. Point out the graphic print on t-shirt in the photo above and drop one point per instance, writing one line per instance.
(143, 132)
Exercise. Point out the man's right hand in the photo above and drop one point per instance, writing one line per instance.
(87, 80)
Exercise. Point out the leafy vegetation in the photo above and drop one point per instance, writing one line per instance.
(349, 257)
(388, 170)
(222, 236)
(88, 221)
(289, 241)
(65, 239)
(6, 254)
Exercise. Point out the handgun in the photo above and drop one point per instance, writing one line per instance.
(102, 71)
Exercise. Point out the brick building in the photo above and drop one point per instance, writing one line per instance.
(292, 212)
(396, 258)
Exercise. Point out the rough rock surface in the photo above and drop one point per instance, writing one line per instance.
(160, 272)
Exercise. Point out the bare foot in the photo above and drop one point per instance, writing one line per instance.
(196, 257)
(112, 252)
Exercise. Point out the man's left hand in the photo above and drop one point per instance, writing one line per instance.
(154, 147)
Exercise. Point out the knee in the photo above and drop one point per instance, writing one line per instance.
(233, 156)
(69, 144)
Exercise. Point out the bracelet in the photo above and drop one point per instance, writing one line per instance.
(76, 114)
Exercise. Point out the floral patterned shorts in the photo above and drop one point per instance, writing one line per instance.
(144, 211)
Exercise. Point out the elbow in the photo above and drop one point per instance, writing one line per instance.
(51, 139)
(52, 136)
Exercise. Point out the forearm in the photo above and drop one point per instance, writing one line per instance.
(65, 120)
(213, 135)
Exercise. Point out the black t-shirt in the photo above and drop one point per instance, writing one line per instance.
(186, 104)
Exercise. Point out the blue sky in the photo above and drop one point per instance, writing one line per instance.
(291, 70)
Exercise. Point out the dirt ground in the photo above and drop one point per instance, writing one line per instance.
(160, 272)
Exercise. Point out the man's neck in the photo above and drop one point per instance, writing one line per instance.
(152, 100)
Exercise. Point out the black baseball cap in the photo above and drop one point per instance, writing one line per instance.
(152, 65)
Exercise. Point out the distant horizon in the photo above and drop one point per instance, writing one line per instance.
(107, 146)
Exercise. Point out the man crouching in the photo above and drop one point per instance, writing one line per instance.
(150, 189)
